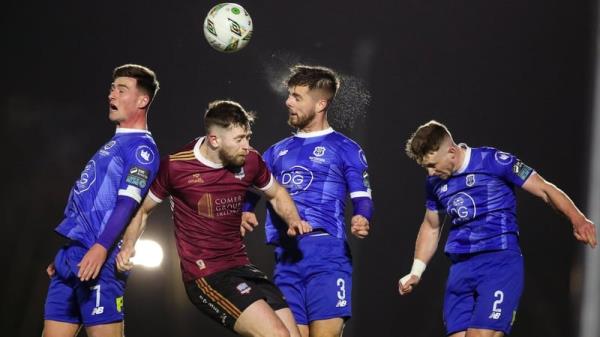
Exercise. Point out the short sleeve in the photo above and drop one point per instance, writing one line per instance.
(432, 202)
(510, 168)
(160, 187)
(140, 161)
(355, 172)
(263, 179)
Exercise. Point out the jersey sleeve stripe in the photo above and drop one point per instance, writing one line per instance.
(132, 192)
(154, 197)
(361, 194)
(268, 185)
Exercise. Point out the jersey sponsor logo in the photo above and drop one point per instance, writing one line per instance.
(470, 180)
(87, 178)
(319, 151)
(297, 179)
(362, 157)
(461, 207)
(104, 150)
(243, 288)
(521, 170)
(195, 179)
(231, 205)
(144, 154)
(137, 177)
(503, 158)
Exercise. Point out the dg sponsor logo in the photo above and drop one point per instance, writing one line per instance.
(87, 178)
(296, 179)
(144, 154)
(461, 207)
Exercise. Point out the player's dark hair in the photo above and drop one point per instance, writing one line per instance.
(145, 78)
(315, 77)
(426, 139)
(226, 114)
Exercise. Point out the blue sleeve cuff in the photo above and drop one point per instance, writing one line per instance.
(120, 217)
(251, 201)
(363, 206)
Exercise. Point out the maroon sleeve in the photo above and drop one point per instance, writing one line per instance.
(263, 178)
(160, 186)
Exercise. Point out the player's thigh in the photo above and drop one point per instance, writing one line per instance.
(225, 295)
(105, 330)
(332, 327)
(289, 280)
(459, 298)
(60, 329)
(328, 279)
(260, 320)
(101, 300)
(287, 317)
(499, 291)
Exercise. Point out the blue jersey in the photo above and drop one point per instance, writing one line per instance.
(124, 166)
(480, 201)
(318, 169)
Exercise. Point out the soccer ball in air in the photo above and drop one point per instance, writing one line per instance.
(228, 27)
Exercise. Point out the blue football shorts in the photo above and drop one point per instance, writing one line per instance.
(483, 291)
(315, 276)
(98, 301)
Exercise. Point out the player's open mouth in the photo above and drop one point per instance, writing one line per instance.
(113, 107)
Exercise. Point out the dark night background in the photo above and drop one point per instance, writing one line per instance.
(516, 75)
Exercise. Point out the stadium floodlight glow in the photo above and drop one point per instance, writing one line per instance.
(148, 253)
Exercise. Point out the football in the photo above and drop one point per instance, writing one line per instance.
(228, 27)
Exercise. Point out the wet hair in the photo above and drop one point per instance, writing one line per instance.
(145, 78)
(315, 77)
(426, 139)
(226, 114)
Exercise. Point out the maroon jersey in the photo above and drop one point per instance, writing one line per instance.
(207, 203)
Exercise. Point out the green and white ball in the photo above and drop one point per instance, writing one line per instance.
(228, 27)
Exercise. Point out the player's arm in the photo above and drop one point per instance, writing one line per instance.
(284, 206)
(425, 247)
(362, 208)
(133, 232)
(92, 261)
(583, 229)
(249, 220)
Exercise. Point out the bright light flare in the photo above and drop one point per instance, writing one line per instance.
(148, 253)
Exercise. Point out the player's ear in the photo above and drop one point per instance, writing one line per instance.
(143, 101)
(322, 104)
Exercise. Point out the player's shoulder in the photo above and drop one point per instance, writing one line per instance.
(185, 152)
(343, 141)
(282, 143)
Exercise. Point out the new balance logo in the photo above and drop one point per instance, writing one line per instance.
(341, 304)
(97, 311)
(495, 315)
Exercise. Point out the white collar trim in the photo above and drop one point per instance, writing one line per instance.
(466, 160)
(129, 130)
(314, 133)
(203, 159)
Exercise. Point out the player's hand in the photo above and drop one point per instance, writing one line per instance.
(249, 221)
(92, 261)
(50, 270)
(298, 227)
(123, 259)
(407, 283)
(585, 231)
(359, 226)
